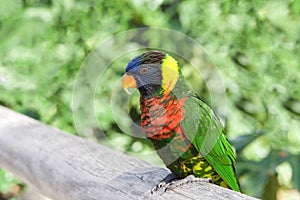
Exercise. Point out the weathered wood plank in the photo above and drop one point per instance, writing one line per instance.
(63, 166)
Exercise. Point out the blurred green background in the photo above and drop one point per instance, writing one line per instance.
(255, 45)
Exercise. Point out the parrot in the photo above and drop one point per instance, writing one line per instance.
(184, 130)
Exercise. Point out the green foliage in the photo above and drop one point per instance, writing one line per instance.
(255, 45)
(7, 181)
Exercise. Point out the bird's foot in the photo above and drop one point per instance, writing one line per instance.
(173, 183)
(168, 179)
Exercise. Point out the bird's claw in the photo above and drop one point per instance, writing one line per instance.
(164, 183)
(177, 183)
(158, 186)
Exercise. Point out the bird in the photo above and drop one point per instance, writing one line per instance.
(184, 130)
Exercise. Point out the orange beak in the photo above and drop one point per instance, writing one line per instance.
(128, 81)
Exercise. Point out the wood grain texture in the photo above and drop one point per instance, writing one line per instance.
(63, 166)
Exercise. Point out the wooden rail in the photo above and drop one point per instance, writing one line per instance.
(63, 166)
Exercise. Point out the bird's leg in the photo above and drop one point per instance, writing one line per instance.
(173, 183)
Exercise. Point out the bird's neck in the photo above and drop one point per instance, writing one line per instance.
(149, 91)
(181, 89)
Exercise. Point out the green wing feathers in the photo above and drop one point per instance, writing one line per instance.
(222, 158)
(206, 133)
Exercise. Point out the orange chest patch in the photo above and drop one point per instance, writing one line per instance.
(161, 116)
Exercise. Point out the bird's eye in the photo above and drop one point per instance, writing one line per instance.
(144, 70)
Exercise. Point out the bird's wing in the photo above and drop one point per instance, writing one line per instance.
(206, 133)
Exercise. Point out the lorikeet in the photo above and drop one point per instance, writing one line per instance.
(184, 130)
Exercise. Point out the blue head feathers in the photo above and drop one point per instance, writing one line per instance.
(150, 57)
(134, 62)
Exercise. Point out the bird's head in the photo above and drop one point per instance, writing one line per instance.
(152, 73)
